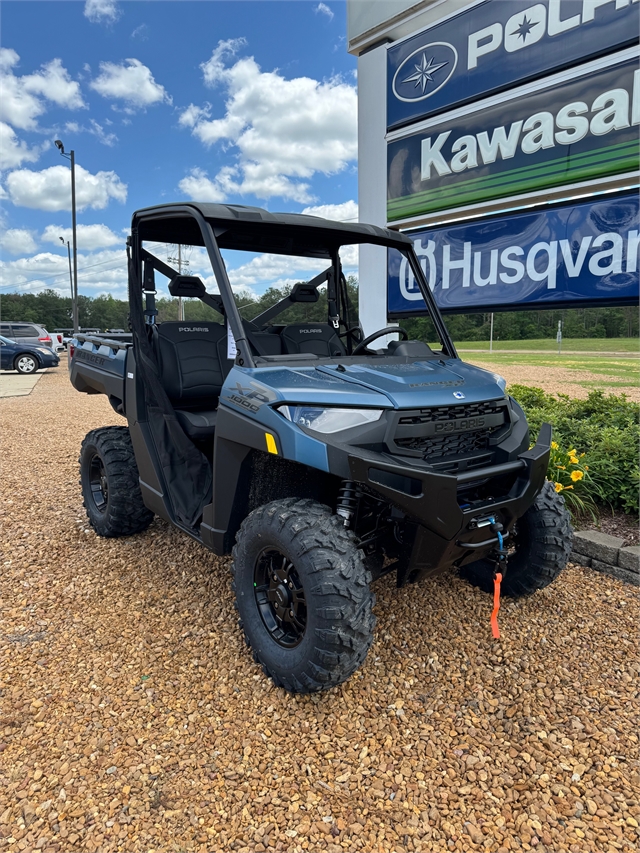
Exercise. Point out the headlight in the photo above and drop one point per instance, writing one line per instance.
(45, 350)
(329, 420)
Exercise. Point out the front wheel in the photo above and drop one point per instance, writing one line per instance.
(302, 592)
(26, 364)
(542, 545)
(110, 486)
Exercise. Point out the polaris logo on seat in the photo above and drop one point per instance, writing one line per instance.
(192, 329)
(310, 331)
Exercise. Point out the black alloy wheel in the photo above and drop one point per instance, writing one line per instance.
(280, 597)
(99, 483)
(302, 593)
(110, 483)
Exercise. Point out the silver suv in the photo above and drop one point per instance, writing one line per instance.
(26, 333)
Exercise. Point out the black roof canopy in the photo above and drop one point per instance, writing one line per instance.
(256, 230)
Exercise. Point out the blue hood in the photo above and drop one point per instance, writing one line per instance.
(419, 384)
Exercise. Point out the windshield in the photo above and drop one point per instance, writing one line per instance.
(276, 295)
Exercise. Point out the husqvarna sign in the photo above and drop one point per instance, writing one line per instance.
(568, 256)
(491, 46)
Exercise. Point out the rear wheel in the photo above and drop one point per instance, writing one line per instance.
(110, 487)
(542, 544)
(26, 363)
(302, 592)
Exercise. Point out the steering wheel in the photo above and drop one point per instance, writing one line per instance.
(388, 330)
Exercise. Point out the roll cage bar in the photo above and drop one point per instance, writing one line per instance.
(306, 291)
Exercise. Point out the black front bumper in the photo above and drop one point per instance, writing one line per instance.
(451, 512)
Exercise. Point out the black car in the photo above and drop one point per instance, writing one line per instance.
(25, 358)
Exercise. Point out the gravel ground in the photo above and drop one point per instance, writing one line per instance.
(132, 718)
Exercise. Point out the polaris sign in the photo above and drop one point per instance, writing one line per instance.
(567, 131)
(496, 44)
(570, 256)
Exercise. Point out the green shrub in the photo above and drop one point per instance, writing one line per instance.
(603, 427)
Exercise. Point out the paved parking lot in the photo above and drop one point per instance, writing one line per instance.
(16, 385)
(132, 717)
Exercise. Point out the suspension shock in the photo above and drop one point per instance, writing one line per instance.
(347, 502)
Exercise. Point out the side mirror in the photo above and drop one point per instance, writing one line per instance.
(187, 286)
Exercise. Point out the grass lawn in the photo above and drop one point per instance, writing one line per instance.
(630, 345)
(610, 374)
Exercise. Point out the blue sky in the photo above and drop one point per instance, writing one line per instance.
(248, 102)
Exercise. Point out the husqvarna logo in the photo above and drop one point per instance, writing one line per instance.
(425, 71)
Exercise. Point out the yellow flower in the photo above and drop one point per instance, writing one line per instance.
(555, 445)
(576, 475)
(562, 467)
(572, 452)
(566, 488)
(586, 467)
(574, 460)
(559, 487)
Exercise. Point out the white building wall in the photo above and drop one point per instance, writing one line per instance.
(372, 185)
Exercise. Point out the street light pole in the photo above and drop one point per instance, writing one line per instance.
(63, 241)
(72, 157)
(76, 324)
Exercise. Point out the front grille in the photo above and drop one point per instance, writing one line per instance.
(458, 442)
(447, 445)
(450, 413)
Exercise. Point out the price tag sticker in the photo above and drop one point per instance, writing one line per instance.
(231, 344)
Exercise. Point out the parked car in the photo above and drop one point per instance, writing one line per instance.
(57, 341)
(25, 358)
(27, 333)
(67, 334)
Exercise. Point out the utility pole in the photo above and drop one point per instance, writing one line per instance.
(72, 157)
(180, 305)
(173, 260)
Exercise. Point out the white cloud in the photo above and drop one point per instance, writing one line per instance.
(345, 212)
(284, 130)
(50, 189)
(100, 272)
(89, 237)
(323, 9)
(140, 32)
(18, 241)
(132, 83)
(14, 151)
(198, 187)
(95, 129)
(268, 270)
(22, 97)
(101, 11)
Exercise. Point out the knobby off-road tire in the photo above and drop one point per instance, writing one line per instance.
(109, 480)
(542, 547)
(303, 596)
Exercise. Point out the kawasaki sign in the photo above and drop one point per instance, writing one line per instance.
(568, 256)
(562, 132)
(491, 46)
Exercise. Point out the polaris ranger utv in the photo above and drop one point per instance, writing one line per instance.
(317, 459)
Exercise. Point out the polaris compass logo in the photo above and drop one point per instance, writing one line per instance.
(458, 395)
(425, 71)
